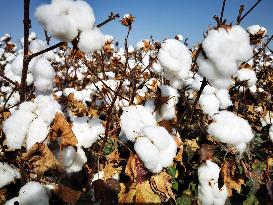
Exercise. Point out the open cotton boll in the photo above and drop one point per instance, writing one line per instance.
(39, 45)
(223, 98)
(133, 119)
(33, 193)
(43, 68)
(168, 109)
(208, 190)
(91, 40)
(229, 128)
(37, 132)
(17, 65)
(254, 29)
(79, 160)
(209, 104)
(8, 174)
(156, 148)
(248, 75)
(16, 128)
(174, 56)
(47, 107)
(68, 154)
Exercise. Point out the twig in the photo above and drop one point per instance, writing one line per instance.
(8, 80)
(222, 10)
(46, 50)
(240, 14)
(249, 11)
(110, 18)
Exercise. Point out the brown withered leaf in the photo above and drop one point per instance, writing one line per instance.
(179, 155)
(127, 20)
(167, 124)
(110, 170)
(62, 129)
(40, 158)
(76, 107)
(135, 170)
(140, 193)
(229, 180)
(66, 194)
(162, 185)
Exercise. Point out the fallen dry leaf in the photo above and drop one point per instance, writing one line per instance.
(162, 185)
(62, 129)
(40, 158)
(135, 170)
(66, 194)
(110, 170)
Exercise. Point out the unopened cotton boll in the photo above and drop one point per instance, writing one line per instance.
(133, 119)
(33, 193)
(91, 40)
(8, 174)
(229, 128)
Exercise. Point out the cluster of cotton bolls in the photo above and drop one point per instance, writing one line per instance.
(22, 126)
(225, 49)
(66, 19)
(153, 144)
(175, 58)
(208, 190)
(32, 193)
(229, 128)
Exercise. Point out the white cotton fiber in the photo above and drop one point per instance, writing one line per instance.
(229, 128)
(254, 29)
(168, 109)
(37, 132)
(224, 98)
(208, 191)
(33, 193)
(133, 119)
(79, 160)
(248, 75)
(91, 40)
(8, 174)
(17, 65)
(209, 104)
(16, 128)
(157, 148)
(67, 156)
(12, 201)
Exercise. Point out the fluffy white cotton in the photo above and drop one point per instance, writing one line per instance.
(64, 19)
(156, 148)
(248, 75)
(91, 40)
(67, 156)
(79, 160)
(229, 128)
(209, 104)
(254, 29)
(39, 45)
(168, 109)
(17, 65)
(33, 193)
(43, 74)
(12, 201)
(223, 98)
(87, 132)
(133, 119)
(47, 108)
(208, 191)
(225, 51)
(175, 58)
(16, 128)
(37, 132)
(8, 174)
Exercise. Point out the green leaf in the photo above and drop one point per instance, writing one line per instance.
(183, 200)
(172, 171)
(251, 200)
(175, 185)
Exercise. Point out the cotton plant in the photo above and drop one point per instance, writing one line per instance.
(209, 193)
(231, 129)
(67, 19)
(225, 49)
(30, 118)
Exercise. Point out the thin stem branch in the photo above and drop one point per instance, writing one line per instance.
(249, 11)
(110, 18)
(222, 10)
(46, 50)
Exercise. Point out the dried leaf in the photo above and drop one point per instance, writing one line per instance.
(135, 170)
(110, 170)
(162, 185)
(67, 195)
(206, 152)
(40, 158)
(179, 155)
(61, 128)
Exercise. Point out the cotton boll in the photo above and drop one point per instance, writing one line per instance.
(8, 174)
(224, 98)
(27, 106)
(133, 119)
(16, 128)
(43, 69)
(33, 193)
(17, 65)
(79, 160)
(229, 128)
(148, 153)
(47, 107)
(68, 154)
(254, 29)
(91, 40)
(248, 75)
(37, 132)
(209, 104)
(207, 172)
(174, 56)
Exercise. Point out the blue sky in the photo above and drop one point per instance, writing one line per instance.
(160, 18)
